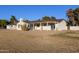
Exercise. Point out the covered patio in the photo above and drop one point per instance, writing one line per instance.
(43, 25)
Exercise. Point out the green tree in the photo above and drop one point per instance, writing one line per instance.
(52, 18)
(3, 23)
(46, 18)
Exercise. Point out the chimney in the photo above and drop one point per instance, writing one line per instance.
(21, 19)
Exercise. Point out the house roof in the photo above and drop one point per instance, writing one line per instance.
(41, 21)
(49, 21)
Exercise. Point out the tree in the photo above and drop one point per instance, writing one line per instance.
(70, 15)
(76, 13)
(46, 18)
(13, 20)
(73, 16)
(53, 18)
(3, 23)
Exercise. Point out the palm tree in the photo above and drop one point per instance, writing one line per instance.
(13, 20)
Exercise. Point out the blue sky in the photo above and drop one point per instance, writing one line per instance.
(34, 12)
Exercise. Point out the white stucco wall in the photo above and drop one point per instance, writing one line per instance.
(61, 26)
(19, 28)
(74, 27)
(38, 28)
(21, 23)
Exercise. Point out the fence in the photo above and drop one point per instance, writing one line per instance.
(11, 27)
(74, 27)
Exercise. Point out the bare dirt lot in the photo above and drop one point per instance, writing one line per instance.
(39, 41)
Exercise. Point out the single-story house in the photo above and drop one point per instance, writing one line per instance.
(40, 25)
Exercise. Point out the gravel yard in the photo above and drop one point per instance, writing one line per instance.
(39, 41)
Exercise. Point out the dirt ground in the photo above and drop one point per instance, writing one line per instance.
(39, 41)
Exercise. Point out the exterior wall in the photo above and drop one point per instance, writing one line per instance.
(37, 28)
(61, 26)
(19, 27)
(43, 28)
(20, 24)
(74, 27)
(57, 27)
(11, 27)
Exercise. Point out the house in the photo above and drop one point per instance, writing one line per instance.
(61, 25)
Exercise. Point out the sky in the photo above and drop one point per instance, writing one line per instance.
(34, 12)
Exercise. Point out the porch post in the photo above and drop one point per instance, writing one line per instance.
(41, 25)
(47, 26)
(47, 23)
(33, 26)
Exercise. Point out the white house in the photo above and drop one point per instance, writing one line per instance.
(61, 25)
